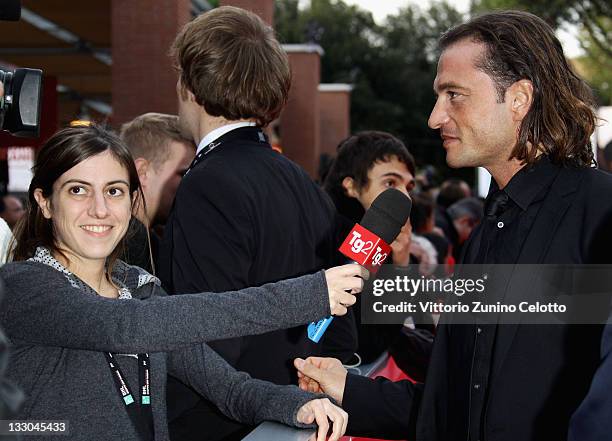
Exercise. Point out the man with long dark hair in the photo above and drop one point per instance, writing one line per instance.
(507, 100)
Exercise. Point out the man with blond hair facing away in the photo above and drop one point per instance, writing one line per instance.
(161, 154)
(244, 215)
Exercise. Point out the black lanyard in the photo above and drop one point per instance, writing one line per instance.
(206, 150)
(140, 413)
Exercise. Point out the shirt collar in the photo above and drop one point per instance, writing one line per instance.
(43, 255)
(220, 131)
(528, 182)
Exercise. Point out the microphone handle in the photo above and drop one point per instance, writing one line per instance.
(316, 330)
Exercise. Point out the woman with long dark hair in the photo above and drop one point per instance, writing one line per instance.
(94, 338)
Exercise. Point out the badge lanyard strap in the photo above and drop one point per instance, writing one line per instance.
(141, 414)
(206, 150)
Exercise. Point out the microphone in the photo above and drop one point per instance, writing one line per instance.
(10, 10)
(368, 242)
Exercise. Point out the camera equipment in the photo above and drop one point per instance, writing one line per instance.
(10, 10)
(20, 105)
(21, 102)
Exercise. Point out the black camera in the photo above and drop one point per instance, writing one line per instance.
(20, 105)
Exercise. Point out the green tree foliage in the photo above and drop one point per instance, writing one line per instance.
(391, 66)
(591, 15)
(594, 21)
(596, 65)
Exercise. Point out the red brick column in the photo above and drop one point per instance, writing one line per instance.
(335, 115)
(263, 8)
(299, 122)
(143, 79)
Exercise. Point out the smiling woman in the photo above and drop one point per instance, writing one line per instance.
(84, 179)
(86, 187)
(94, 338)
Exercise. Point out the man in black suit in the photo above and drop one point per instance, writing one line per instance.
(507, 100)
(243, 215)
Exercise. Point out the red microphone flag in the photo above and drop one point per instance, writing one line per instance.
(365, 248)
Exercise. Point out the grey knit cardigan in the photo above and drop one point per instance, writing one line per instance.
(59, 333)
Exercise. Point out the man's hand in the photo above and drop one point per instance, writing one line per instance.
(343, 282)
(322, 375)
(401, 246)
(320, 411)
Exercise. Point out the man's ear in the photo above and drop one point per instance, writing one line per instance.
(520, 96)
(43, 203)
(190, 96)
(186, 94)
(142, 167)
(350, 187)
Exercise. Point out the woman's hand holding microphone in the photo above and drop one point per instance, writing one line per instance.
(343, 282)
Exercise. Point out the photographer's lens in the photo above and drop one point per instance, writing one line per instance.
(20, 108)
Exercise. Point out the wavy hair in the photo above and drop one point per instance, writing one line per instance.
(232, 63)
(522, 46)
(356, 156)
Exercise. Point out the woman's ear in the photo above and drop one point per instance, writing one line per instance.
(350, 187)
(43, 202)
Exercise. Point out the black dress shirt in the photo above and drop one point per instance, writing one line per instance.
(509, 215)
(515, 381)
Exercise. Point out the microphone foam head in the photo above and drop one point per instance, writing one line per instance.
(387, 214)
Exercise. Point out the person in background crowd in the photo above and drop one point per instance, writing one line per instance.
(366, 164)
(6, 236)
(11, 210)
(426, 180)
(465, 215)
(243, 214)
(509, 101)
(451, 191)
(423, 224)
(84, 322)
(162, 155)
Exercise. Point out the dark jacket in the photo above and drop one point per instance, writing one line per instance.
(540, 373)
(10, 396)
(592, 421)
(246, 215)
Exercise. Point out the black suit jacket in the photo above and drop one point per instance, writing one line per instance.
(540, 373)
(244, 216)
